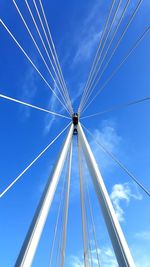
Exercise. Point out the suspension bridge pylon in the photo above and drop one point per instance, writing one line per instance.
(32, 238)
(116, 235)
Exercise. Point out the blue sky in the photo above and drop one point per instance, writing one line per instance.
(76, 27)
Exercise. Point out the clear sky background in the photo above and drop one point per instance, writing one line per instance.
(76, 28)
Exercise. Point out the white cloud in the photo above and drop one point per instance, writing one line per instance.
(91, 30)
(52, 105)
(86, 47)
(108, 258)
(76, 262)
(28, 90)
(143, 235)
(89, 34)
(106, 255)
(78, 93)
(108, 136)
(122, 192)
(49, 120)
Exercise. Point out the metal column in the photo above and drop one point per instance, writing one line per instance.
(33, 236)
(119, 243)
(84, 230)
(66, 209)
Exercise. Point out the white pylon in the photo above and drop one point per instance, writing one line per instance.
(121, 249)
(33, 236)
(66, 209)
(119, 243)
(85, 247)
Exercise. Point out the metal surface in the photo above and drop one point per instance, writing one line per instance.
(33, 236)
(85, 247)
(66, 208)
(119, 243)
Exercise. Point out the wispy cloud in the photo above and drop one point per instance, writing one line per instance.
(49, 120)
(86, 47)
(106, 254)
(107, 257)
(108, 136)
(89, 34)
(53, 105)
(77, 95)
(28, 89)
(76, 261)
(143, 235)
(122, 193)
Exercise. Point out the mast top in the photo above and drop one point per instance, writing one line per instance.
(75, 120)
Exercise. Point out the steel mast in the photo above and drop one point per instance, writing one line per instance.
(30, 244)
(119, 243)
(121, 249)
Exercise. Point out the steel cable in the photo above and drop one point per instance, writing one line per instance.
(118, 43)
(29, 166)
(119, 66)
(101, 52)
(119, 163)
(58, 74)
(100, 43)
(29, 59)
(38, 49)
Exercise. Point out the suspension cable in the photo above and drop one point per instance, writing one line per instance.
(85, 247)
(29, 59)
(119, 163)
(87, 225)
(59, 76)
(93, 223)
(60, 238)
(118, 43)
(119, 66)
(58, 257)
(117, 107)
(29, 166)
(37, 47)
(103, 47)
(41, 38)
(95, 59)
(109, 45)
(32, 106)
(54, 49)
(57, 221)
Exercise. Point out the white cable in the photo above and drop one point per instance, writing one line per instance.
(57, 221)
(93, 223)
(54, 49)
(107, 49)
(118, 43)
(101, 52)
(59, 76)
(117, 107)
(87, 226)
(119, 66)
(21, 48)
(41, 38)
(29, 166)
(95, 59)
(37, 47)
(106, 52)
(32, 106)
(120, 164)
